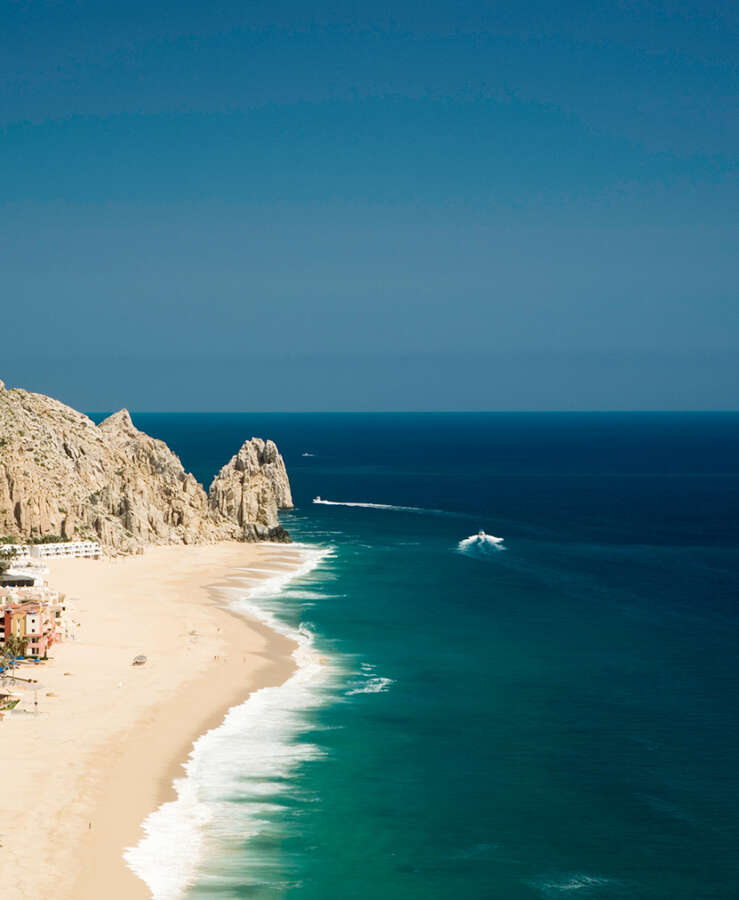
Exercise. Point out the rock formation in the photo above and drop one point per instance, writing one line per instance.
(251, 488)
(60, 474)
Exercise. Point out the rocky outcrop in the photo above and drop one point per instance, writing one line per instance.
(60, 474)
(250, 489)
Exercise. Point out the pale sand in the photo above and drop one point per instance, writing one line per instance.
(79, 779)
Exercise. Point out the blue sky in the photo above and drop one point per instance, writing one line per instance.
(370, 206)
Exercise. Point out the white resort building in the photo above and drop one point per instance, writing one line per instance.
(61, 550)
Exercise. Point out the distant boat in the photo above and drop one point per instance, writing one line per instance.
(481, 542)
(482, 537)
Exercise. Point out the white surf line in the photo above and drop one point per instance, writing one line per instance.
(167, 858)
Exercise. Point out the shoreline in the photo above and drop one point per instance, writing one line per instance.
(106, 752)
(215, 717)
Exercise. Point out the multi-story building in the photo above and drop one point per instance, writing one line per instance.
(38, 623)
(30, 610)
(58, 550)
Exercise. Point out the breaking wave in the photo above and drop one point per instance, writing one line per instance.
(371, 683)
(372, 686)
(215, 803)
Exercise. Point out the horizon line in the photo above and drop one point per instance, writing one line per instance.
(404, 412)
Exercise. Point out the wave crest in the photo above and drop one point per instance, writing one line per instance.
(372, 684)
(376, 685)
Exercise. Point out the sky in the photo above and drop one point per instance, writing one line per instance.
(370, 205)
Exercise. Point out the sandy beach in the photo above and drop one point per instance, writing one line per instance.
(110, 738)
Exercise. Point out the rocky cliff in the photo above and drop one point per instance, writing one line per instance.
(251, 488)
(60, 474)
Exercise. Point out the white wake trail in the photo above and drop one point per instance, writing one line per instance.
(415, 509)
(481, 544)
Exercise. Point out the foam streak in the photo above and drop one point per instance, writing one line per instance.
(256, 737)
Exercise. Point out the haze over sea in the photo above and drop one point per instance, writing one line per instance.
(552, 714)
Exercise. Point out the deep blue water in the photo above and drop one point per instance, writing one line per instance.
(560, 715)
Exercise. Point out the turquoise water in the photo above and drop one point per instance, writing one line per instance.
(556, 716)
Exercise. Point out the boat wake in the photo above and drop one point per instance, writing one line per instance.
(481, 544)
(413, 509)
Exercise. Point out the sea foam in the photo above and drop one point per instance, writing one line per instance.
(236, 772)
(369, 682)
(480, 544)
(376, 685)
(586, 884)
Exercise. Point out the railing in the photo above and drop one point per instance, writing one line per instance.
(61, 550)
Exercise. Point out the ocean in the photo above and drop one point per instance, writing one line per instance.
(550, 714)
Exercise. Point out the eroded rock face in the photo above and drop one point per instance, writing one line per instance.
(60, 474)
(250, 489)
